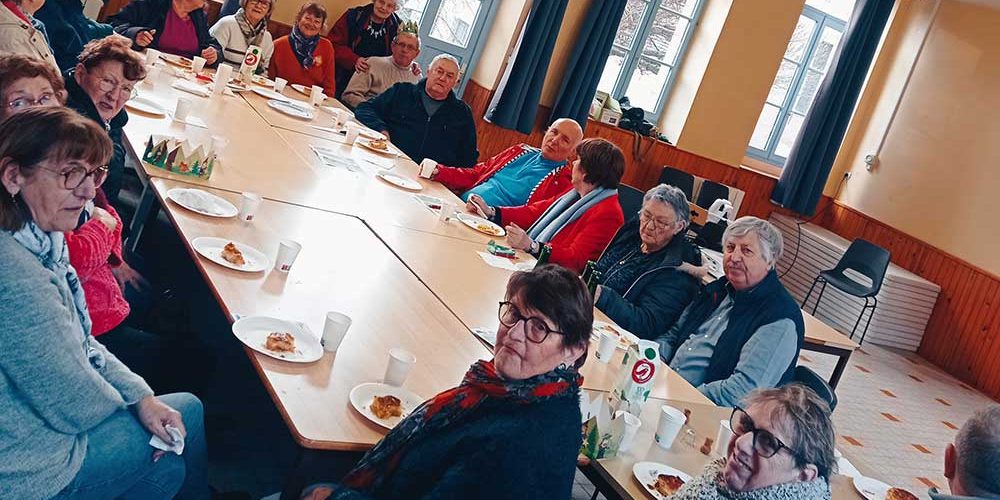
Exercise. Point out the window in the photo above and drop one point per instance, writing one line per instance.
(806, 61)
(651, 39)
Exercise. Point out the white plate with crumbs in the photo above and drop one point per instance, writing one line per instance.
(364, 395)
(625, 338)
(400, 181)
(254, 330)
(870, 488)
(268, 93)
(482, 225)
(202, 202)
(211, 248)
(647, 474)
(291, 109)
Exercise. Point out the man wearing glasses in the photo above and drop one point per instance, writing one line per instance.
(384, 72)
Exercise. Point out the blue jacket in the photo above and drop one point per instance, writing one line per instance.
(69, 29)
(449, 137)
(142, 15)
(658, 296)
(766, 303)
(502, 452)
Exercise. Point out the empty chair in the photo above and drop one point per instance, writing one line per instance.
(679, 179)
(812, 380)
(862, 257)
(711, 191)
(630, 199)
(710, 235)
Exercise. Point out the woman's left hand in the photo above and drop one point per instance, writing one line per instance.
(210, 55)
(361, 65)
(415, 68)
(517, 238)
(155, 415)
(125, 275)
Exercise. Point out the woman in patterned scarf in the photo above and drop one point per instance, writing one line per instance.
(781, 449)
(248, 26)
(511, 429)
(304, 57)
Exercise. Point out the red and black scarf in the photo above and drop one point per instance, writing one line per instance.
(481, 388)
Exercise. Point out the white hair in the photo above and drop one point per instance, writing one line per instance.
(444, 57)
(674, 198)
(771, 243)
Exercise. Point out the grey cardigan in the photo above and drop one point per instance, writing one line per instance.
(50, 395)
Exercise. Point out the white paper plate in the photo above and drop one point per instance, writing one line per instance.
(262, 80)
(268, 94)
(872, 489)
(253, 331)
(302, 89)
(146, 105)
(482, 225)
(202, 202)
(625, 337)
(291, 109)
(211, 249)
(399, 181)
(183, 62)
(362, 396)
(391, 151)
(238, 86)
(646, 473)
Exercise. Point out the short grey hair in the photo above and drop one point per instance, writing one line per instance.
(978, 447)
(674, 198)
(445, 57)
(407, 33)
(771, 243)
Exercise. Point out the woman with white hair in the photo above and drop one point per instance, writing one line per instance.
(644, 286)
(248, 26)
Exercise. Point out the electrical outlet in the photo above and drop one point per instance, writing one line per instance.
(848, 175)
(870, 162)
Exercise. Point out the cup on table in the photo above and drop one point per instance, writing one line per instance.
(671, 421)
(152, 55)
(316, 95)
(427, 166)
(183, 109)
(288, 250)
(338, 117)
(248, 206)
(152, 76)
(222, 74)
(632, 424)
(722, 438)
(334, 330)
(400, 363)
(279, 84)
(447, 212)
(606, 346)
(197, 64)
(353, 131)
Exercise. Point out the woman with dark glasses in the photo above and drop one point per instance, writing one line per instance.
(781, 449)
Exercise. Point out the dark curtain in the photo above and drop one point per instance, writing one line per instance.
(811, 158)
(589, 57)
(515, 103)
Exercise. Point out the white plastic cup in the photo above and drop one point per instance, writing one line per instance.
(316, 95)
(427, 167)
(279, 84)
(338, 117)
(334, 330)
(606, 347)
(671, 421)
(288, 250)
(353, 131)
(722, 438)
(632, 424)
(447, 212)
(400, 363)
(183, 109)
(152, 76)
(197, 64)
(248, 206)
(222, 74)
(152, 55)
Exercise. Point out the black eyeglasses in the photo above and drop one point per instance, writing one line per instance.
(74, 177)
(765, 444)
(535, 328)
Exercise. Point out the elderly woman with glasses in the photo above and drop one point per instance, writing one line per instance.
(303, 56)
(511, 429)
(645, 284)
(27, 81)
(781, 449)
(76, 421)
(248, 26)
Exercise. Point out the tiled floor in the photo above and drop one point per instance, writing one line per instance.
(896, 413)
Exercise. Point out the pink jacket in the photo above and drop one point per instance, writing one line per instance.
(93, 251)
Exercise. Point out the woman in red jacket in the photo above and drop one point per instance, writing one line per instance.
(578, 223)
(305, 57)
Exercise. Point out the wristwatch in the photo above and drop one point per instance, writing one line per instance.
(535, 248)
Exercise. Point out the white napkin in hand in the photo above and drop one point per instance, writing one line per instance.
(177, 446)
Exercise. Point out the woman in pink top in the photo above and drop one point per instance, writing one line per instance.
(172, 26)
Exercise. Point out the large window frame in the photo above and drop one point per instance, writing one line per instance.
(823, 21)
(633, 54)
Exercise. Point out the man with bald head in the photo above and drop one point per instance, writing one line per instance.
(972, 463)
(507, 179)
(425, 119)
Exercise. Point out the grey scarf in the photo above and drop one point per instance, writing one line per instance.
(566, 210)
(253, 34)
(711, 486)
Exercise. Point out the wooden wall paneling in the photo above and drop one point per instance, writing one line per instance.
(983, 340)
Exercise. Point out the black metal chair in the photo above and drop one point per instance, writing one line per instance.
(630, 199)
(862, 257)
(711, 191)
(812, 380)
(679, 179)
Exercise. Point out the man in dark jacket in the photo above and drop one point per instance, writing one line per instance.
(745, 330)
(68, 29)
(144, 22)
(425, 119)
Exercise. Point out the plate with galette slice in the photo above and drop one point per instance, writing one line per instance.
(659, 480)
(232, 254)
(278, 338)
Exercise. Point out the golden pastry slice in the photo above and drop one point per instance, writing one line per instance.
(233, 254)
(280, 342)
(386, 406)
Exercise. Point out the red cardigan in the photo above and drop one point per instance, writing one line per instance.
(582, 240)
(461, 180)
(93, 251)
(286, 65)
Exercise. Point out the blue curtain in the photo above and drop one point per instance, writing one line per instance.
(515, 103)
(811, 158)
(589, 57)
